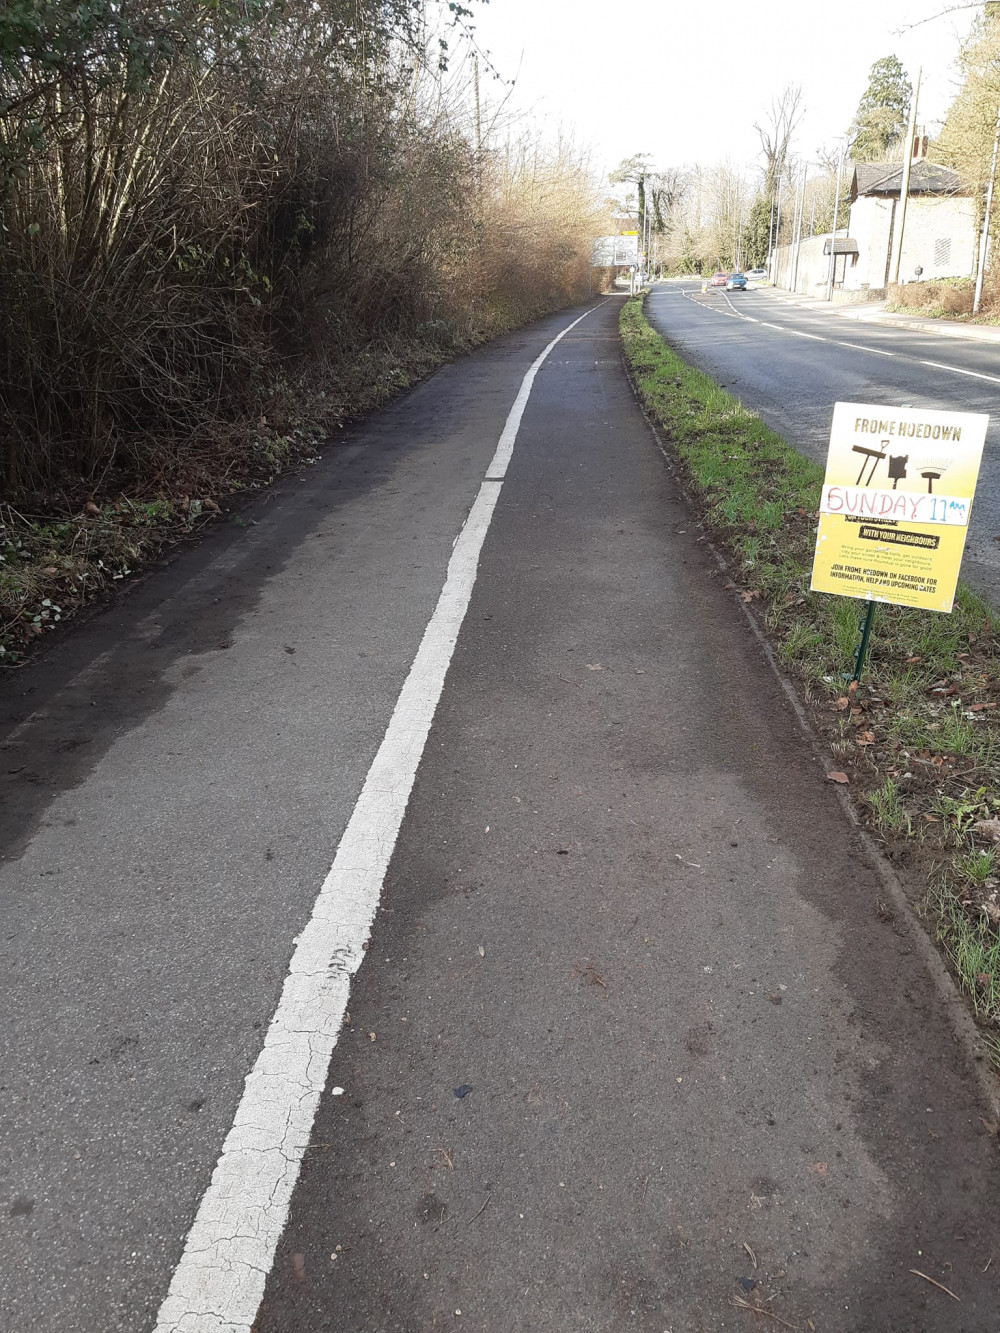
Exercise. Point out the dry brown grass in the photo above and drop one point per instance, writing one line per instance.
(273, 220)
(237, 226)
(950, 296)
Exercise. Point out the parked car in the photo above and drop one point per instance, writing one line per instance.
(736, 282)
(757, 274)
(718, 279)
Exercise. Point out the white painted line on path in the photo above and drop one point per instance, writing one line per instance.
(779, 327)
(858, 348)
(815, 336)
(957, 370)
(219, 1282)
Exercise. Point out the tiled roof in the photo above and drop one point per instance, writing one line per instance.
(925, 178)
(867, 174)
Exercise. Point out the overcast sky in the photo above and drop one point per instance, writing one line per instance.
(684, 80)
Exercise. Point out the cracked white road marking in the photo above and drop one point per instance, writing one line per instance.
(219, 1281)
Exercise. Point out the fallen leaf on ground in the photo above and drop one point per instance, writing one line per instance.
(989, 828)
(942, 687)
(843, 702)
(818, 1168)
(978, 708)
(838, 777)
(866, 738)
(594, 666)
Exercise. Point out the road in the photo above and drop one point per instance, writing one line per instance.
(629, 1032)
(791, 363)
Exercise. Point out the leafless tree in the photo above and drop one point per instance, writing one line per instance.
(775, 131)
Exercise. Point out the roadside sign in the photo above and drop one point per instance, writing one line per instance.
(603, 252)
(896, 501)
(621, 251)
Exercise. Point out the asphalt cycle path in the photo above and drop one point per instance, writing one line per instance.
(791, 364)
(630, 1036)
(175, 778)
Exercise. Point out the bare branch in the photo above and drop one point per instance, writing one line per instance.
(779, 124)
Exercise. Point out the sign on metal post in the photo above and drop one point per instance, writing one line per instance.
(896, 501)
(627, 248)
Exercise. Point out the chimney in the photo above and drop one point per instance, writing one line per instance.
(919, 147)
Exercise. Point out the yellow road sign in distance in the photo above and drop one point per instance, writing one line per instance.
(896, 501)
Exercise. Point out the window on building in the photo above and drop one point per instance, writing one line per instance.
(942, 251)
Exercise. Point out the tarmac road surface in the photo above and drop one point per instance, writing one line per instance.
(790, 363)
(631, 1032)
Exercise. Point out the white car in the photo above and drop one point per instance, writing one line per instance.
(757, 274)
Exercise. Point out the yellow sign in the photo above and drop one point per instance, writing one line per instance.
(896, 501)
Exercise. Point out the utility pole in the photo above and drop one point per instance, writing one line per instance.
(797, 228)
(477, 170)
(904, 189)
(479, 124)
(984, 237)
(777, 235)
(649, 240)
(791, 249)
(833, 238)
(741, 200)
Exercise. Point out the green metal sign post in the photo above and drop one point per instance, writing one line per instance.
(865, 626)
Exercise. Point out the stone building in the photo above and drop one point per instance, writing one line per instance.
(940, 238)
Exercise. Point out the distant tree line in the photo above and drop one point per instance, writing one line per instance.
(714, 217)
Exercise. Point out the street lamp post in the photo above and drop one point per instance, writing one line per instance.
(833, 239)
(797, 229)
(984, 236)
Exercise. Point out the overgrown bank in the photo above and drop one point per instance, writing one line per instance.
(227, 228)
(919, 741)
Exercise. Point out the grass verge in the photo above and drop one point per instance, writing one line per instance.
(919, 741)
